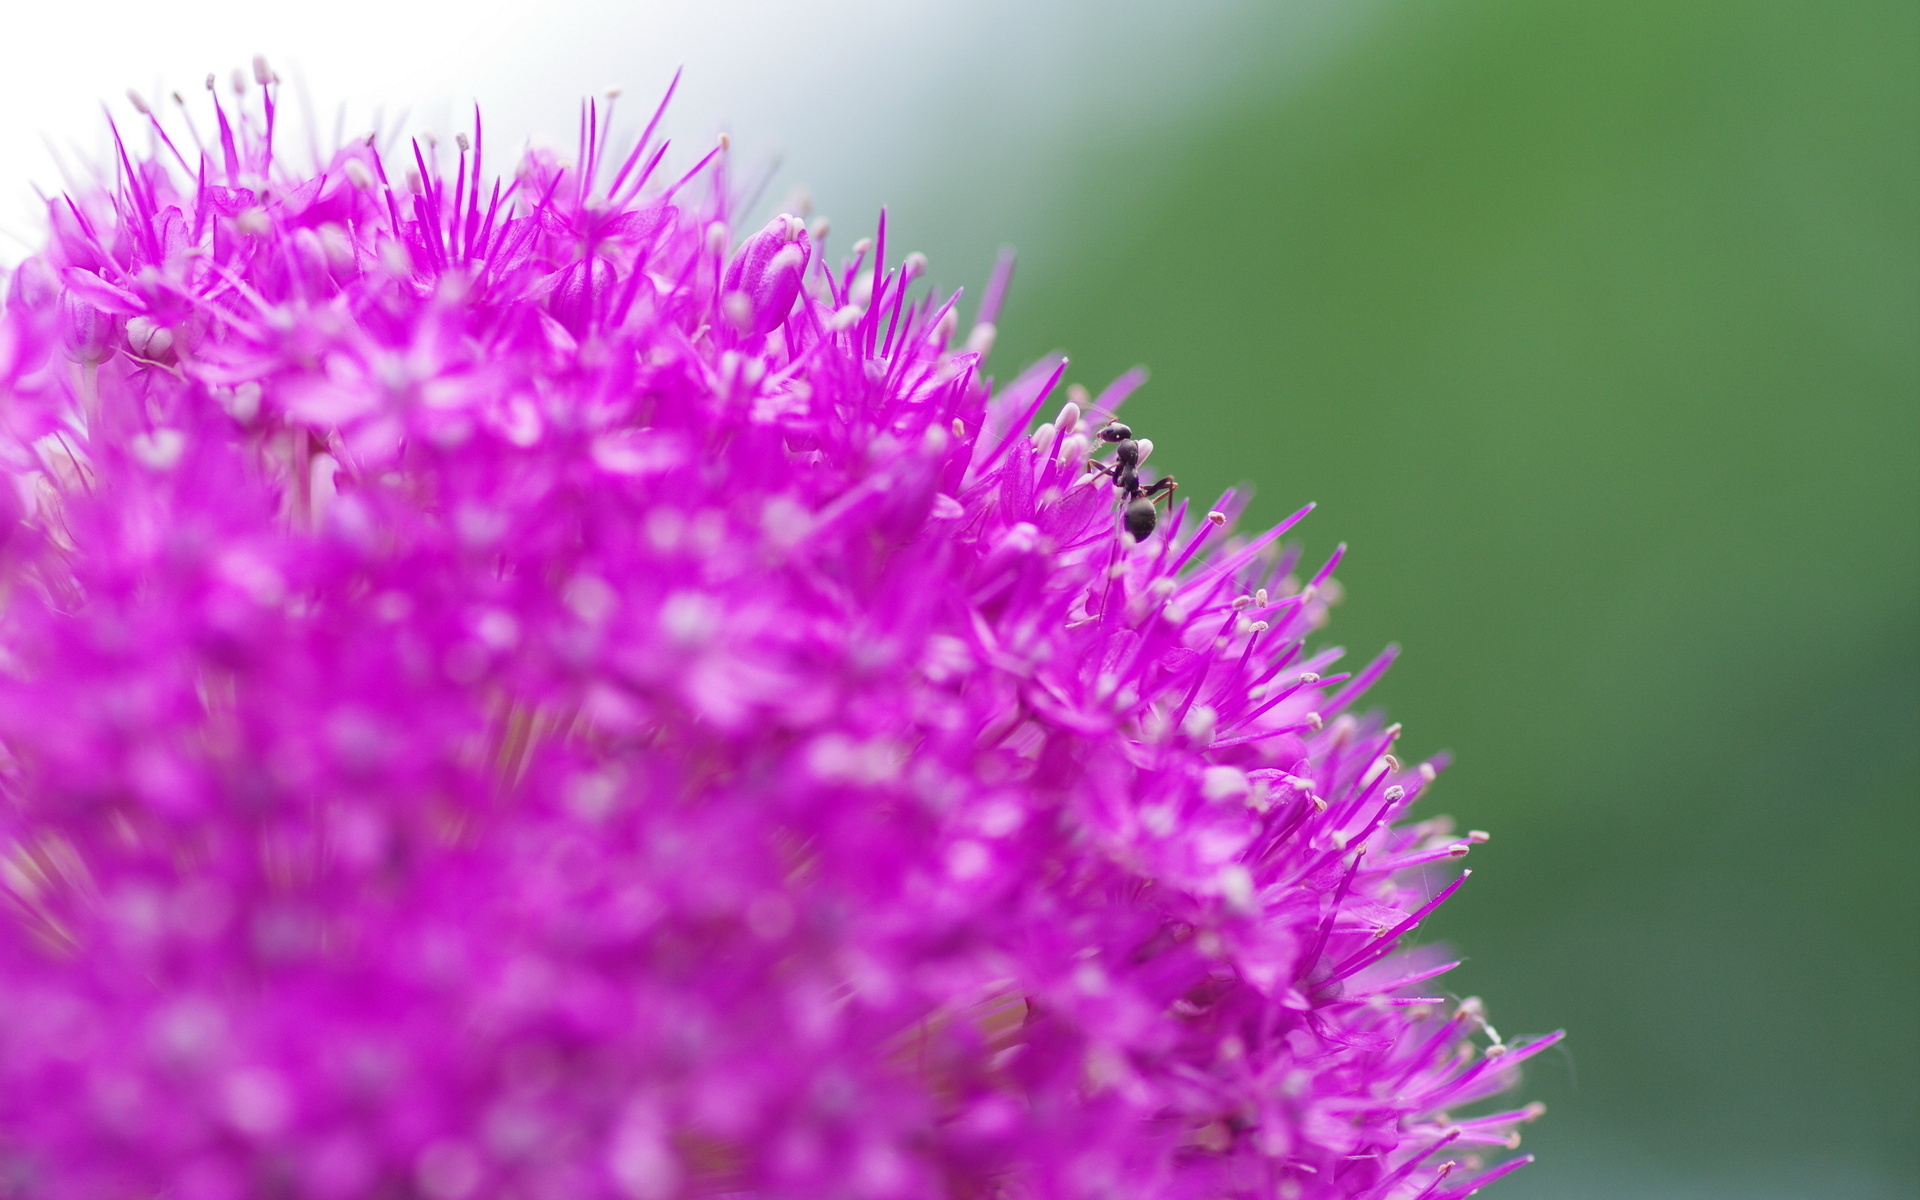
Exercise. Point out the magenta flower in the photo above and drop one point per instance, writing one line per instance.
(506, 693)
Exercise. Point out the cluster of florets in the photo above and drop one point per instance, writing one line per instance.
(508, 690)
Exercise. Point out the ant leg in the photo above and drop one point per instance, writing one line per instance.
(1160, 489)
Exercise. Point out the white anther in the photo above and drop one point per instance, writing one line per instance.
(358, 175)
(980, 339)
(717, 238)
(1393, 731)
(1146, 449)
(914, 266)
(1242, 603)
(1260, 627)
(1477, 835)
(139, 103)
(460, 140)
(820, 228)
(1162, 587)
(959, 429)
(1069, 418)
(861, 247)
(1043, 437)
(1395, 794)
(1216, 517)
(1309, 678)
(1260, 598)
(726, 142)
(261, 75)
(1319, 805)
(846, 317)
(1236, 885)
(1339, 839)
(1392, 762)
(1314, 722)
(1427, 773)
(239, 82)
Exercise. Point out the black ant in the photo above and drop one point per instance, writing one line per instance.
(1140, 515)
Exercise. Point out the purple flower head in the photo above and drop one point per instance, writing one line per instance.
(503, 694)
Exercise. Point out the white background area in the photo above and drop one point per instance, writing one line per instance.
(966, 117)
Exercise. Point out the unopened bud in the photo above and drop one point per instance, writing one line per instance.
(577, 296)
(767, 270)
(88, 334)
(32, 286)
(148, 338)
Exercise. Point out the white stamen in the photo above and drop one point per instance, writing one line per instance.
(861, 247)
(358, 175)
(1260, 598)
(915, 264)
(460, 140)
(139, 103)
(846, 318)
(1069, 418)
(820, 228)
(1314, 722)
(261, 75)
(1217, 517)
(980, 339)
(959, 429)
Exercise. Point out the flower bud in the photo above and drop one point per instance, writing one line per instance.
(87, 333)
(148, 338)
(767, 271)
(579, 293)
(32, 287)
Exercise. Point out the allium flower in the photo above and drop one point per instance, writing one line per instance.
(507, 692)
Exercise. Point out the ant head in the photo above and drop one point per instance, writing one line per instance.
(1114, 431)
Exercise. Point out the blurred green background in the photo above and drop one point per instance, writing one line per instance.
(1595, 330)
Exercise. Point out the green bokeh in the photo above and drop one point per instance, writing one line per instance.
(1593, 328)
